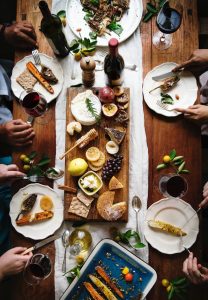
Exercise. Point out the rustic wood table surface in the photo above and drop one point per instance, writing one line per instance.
(163, 134)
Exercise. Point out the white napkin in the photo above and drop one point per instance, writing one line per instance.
(131, 50)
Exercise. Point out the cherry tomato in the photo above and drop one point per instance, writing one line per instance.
(129, 277)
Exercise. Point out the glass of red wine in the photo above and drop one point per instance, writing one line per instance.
(34, 103)
(168, 21)
(173, 185)
(37, 269)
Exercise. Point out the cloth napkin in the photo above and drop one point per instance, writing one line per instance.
(131, 50)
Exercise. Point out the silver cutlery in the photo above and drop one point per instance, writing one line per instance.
(136, 204)
(42, 243)
(65, 241)
(100, 66)
(30, 120)
(165, 75)
(36, 57)
(165, 106)
(32, 178)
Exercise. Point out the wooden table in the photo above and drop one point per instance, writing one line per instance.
(163, 134)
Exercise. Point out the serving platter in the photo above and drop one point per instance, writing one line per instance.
(38, 230)
(177, 212)
(113, 257)
(186, 89)
(100, 142)
(129, 22)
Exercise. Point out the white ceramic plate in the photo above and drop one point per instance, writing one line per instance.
(176, 212)
(186, 89)
(129, 21)
(43, 229)
(50, 62)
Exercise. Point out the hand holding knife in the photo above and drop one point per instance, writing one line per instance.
(42, 243)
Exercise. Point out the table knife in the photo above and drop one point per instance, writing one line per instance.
(42, 243)
(165, 75)
(196, 212)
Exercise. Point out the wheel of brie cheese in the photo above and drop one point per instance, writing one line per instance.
(80, 111)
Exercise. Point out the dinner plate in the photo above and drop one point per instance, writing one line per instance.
(176, 212)
(50, 62)
(43, 229)
(129, 22)
(186, 89)
(113, 258)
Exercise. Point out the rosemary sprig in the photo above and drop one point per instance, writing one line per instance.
(92, 110)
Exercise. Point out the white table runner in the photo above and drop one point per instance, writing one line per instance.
(131, 50)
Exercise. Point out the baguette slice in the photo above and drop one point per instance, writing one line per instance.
(166, 227)
(93, 293)
(102, 287)
(37, 217)
(34, 71)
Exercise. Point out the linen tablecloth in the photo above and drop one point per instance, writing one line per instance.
(131, 50)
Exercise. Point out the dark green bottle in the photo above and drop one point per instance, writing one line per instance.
(51, 26)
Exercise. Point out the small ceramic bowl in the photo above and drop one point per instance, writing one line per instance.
(85, 190)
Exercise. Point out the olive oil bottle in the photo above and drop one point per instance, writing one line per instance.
(80, 241)
(51, 26)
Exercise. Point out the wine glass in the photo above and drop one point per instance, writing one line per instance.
(34, 104)
(168, 21)
(173, 185)
(37, 269)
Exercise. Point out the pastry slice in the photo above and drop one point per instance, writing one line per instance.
(116, 135)
(48, 75)
(115, 184)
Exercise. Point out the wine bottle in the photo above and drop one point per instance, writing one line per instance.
(114, 64)
(51, 26)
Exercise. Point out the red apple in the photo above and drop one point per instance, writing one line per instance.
(106, 94)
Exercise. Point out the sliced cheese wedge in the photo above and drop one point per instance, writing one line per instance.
(166, 227)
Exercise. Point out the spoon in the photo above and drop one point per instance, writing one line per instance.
(54, 173)
(136, 204)
(65, 241)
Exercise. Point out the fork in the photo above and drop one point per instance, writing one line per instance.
(32, 178)
(165, 106)
(36, 57)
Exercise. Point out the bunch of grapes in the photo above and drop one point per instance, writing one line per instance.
(112, 166)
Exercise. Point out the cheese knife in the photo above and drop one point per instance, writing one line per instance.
(165, 75)
(41, 243)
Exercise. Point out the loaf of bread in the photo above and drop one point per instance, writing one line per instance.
(34, 218)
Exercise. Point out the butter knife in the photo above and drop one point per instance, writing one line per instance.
(165, 75)
(196, 212)
(41, 243)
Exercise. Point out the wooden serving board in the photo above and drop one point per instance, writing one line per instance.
(100, 142)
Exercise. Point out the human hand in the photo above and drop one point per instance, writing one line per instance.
(8, 172)
(195, 272)
(13, 262)
(21, 35)
(204, 202)
(18, 133)
(196, 112)
(197, 62)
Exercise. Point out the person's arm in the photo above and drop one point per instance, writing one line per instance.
(19, 35)
(16, 133)
(8, 172)
(197, 62)
(13, 262)
(195, 272)
(198, 113)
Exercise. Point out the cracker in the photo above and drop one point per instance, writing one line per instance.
(86, 200)
(26, 80)
(78, 208)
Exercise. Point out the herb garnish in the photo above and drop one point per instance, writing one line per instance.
(153, 9)
(84, 46)
(74, 272)
(178, 288)
(115, 27)
(37, 168)
(92, 110)
(166, 99)
(130, 237)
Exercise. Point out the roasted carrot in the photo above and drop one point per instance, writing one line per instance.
(34, 71)
(107, 279)
(92, 291)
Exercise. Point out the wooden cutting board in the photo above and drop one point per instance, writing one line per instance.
(100, 142)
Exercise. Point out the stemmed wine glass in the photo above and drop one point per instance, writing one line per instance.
(34, 104)
(168, 21)
(37, 269)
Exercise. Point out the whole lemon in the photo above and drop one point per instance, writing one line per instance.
(166, 159)
(77, 167)
(165, 282)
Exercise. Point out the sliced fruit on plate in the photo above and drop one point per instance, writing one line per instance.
(107, 209)
(116, 135)
(112, 147)
(115, 184)
(100, 162)
(92, 154)
(109, 109)
(46, 203)
(169, 228)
